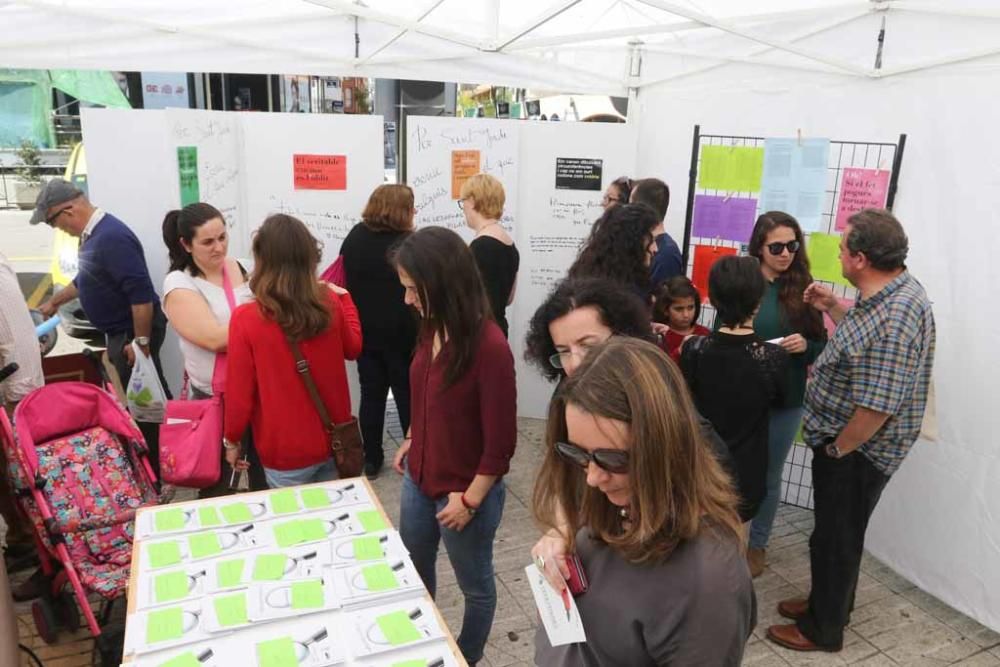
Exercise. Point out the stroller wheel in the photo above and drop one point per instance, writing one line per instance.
(68, 611)
(45, 620)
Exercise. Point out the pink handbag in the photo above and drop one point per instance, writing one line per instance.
(191, 433)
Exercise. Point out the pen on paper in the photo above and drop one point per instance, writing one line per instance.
(565, 598)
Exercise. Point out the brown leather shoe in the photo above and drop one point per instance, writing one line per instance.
(790, 637)
(794, 608)
(756, 559)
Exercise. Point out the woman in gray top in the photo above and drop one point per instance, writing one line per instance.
(657, 529)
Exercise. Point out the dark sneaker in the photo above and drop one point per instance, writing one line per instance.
(372, 470)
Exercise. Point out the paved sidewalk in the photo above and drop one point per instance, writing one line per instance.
(894, 623)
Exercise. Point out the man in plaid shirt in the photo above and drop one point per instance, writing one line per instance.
(864, 406)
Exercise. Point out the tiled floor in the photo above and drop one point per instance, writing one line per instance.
(894, 622)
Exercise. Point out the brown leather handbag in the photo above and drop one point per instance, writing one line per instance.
(345, 439)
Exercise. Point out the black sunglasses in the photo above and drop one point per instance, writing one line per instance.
(51, 222)
(778, 248)
(610, 460)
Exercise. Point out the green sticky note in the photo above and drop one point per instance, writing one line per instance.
(410, 663)
(298, 531)
(731, 168)
(315, 498)
(824, 258)
(163, 554)
(367, 548)
(230, 572)
(170, 586)
(379, 577)
(231, 610)
(189, 659)
(371, 520)
(164, 624)
(236, 513)
(277, 653)
(397, 628)
(269, 567)
(307, 594)
(208, 517)
(168, 520)
(204, 544)
(187, 174)
(284, 502)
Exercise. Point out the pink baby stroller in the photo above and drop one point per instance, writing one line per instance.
(78, 466)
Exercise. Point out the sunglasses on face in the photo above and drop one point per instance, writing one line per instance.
(778, 248)
(609, 460)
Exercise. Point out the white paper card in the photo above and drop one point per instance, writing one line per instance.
(562, 626)
(377, 580)
(432, 654)
(282, 599)
(346, 551)
(409, 622)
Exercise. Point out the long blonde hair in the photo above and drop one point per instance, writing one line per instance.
(678, 486)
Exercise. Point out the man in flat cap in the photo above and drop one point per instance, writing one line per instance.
(112, 283)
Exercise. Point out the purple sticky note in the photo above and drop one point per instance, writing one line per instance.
(726, 218)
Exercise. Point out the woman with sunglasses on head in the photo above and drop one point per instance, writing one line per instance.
(463, 425)
(653, 514)
(617, 193)
(777, 242)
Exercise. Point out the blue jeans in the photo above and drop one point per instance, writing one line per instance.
(321, 472)
(782, 427)
(470, 552)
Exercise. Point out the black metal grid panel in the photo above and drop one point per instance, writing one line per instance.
(796, 479)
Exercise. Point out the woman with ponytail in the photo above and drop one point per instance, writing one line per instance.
(194, 299)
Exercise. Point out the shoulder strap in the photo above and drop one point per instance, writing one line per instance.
(302, 366)
(227, 286)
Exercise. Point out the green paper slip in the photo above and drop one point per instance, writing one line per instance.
(269, 567)
(307, 594)
(379, 577)
(231, 610)
(371, 520)
(189, 659)
(168, 520)
(315, 498)
(367, 548)
(170, 586)
(208, 517)
(163, 554)
(397, 628)
(236, 513)
(204, 544)
(410, 663)
(284, 502)
(731, 168)
(230, 572)
(277, 653)
(824, 258)
(290, 533)
(164, 625)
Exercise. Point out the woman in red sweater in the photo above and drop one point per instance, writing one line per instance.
(263, 387)
(463, 425)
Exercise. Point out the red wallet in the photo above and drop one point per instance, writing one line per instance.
(577, 582)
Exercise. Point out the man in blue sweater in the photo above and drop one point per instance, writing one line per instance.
(667, 261)
(113, 284)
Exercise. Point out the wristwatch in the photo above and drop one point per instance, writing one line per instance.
(142, 341)
(833, 451)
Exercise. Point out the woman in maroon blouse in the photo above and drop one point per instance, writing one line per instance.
(463, 424)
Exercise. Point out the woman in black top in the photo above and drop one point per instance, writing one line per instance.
(388, 328)
(735, 377)
(496, 255)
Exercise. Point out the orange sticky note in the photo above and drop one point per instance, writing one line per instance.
(464, 165)
(320, 172)
(704, 257)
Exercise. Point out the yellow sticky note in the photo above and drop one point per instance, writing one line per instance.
(731, 168)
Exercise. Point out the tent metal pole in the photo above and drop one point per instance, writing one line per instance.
(943, 9)
(760, 51)
(939, 62)
(689, 209)
(399, 34)
(537, 22)
(652, 48)
(681, 26)
(781, 45)
(363, 12)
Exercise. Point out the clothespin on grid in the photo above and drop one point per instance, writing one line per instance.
(717, 244)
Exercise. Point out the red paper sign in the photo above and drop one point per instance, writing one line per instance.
(464, 165)
(704, 257)
(860, 189)
(320, 172)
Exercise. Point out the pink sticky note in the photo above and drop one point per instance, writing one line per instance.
(860, 189)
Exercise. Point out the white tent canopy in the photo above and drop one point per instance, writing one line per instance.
(600, 46)
(761, 68)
